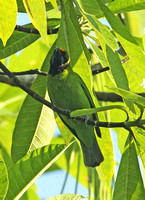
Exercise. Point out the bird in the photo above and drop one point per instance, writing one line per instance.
(68, 91)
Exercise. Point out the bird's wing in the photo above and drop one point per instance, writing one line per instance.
(92, 105)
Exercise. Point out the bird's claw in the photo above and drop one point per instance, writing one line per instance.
(67, 112)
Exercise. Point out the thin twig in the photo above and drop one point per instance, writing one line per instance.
(98, 71)
(32, 71)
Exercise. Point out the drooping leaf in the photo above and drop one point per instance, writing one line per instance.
(131, 47)
(69, 38)
(23, 174)
(8, 17)
(17, 42)
(129, 184)
(36, 11)
(35, 124)
(98, 53)
(22, 9)
(135, 98)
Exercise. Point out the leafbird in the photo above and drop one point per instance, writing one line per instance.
(68, 91)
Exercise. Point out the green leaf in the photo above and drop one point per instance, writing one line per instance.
(36, 11)
(24, 173)
(134, 98)
(107, 35)
(98, 53)
(22, 9)
(117, 69)
(129, 184)
(3, 179)
(17, 42)
(118, 6)
(90, 7)
(8, 19)
(118, 72)
(131, 47)
(69, 38)
(67, 196)
(35, 124)
(106, 169)
(123, 6)
(30, 194)
(95, 110)
(140, 137)
(53, 2)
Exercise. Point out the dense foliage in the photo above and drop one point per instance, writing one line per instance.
(95, 35)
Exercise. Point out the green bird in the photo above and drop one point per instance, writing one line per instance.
(68, 91)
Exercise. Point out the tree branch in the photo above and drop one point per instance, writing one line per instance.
(34, 30)
(126, 124)
(27, 78)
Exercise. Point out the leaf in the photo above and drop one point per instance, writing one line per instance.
(95, 110)
(53, 2)
(8, 17)
(22, 9)
(118, 72)
(17, 42)
(118, 6)
(107, 35)
(89, 7)
(131, 47)
(3, 179)
(98, 53)
(30, 194)
(136, 99)
(69, 37)
(106, 169)
(140, 137)
(66, 133)
(24, 173)
(67, 196)
(36, 11)
(35, 124)
(129, 184)
(123, 6)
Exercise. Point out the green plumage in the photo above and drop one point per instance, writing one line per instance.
(67, 90)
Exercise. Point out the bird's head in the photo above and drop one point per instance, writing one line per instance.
(59, 61)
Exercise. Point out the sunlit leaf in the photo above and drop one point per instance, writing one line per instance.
(8, 17)
(35, 121)
(3, 179)
(131, 47)
(67, 196)
(24, 173)
(36, 11)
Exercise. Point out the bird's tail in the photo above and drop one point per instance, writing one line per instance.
(92, 156)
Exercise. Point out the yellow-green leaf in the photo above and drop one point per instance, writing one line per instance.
(36, 11)
(8, 17)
